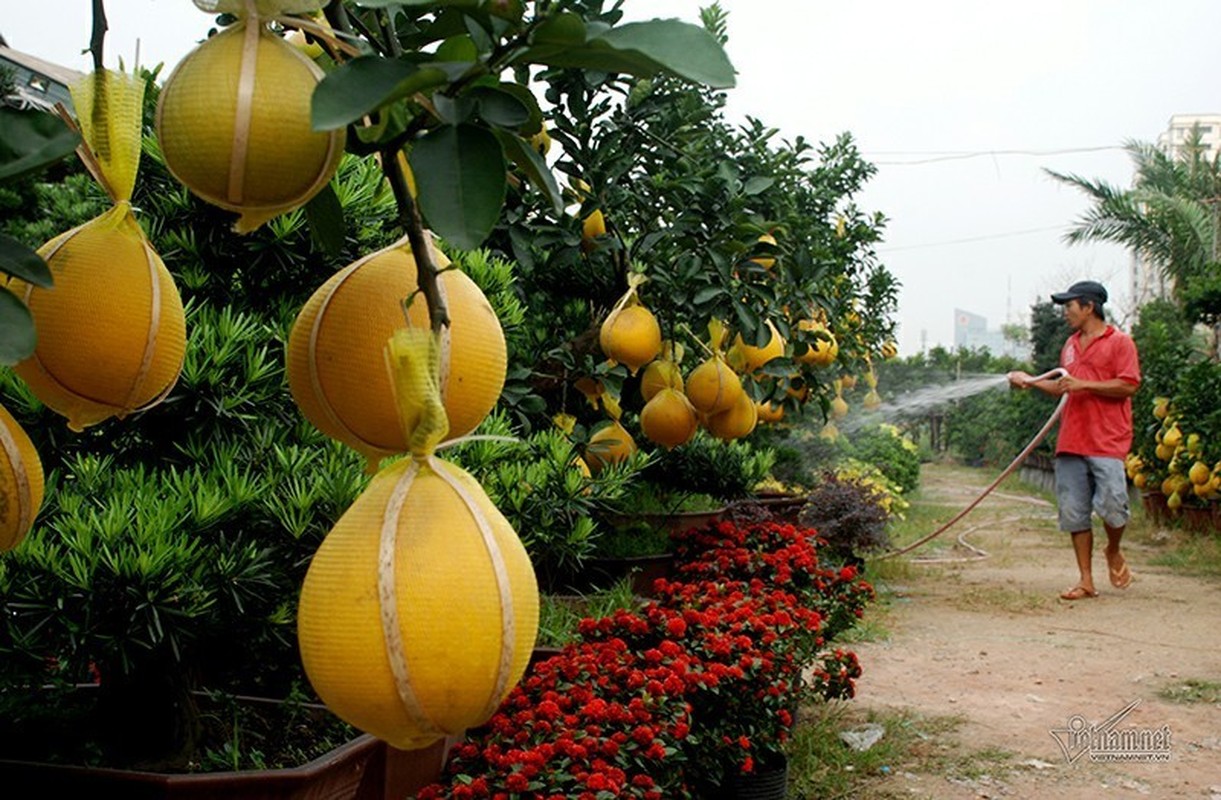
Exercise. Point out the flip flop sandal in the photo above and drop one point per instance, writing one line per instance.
(1121, 578)
(1077, 593)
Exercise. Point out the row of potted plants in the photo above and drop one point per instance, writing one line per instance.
(688, 696)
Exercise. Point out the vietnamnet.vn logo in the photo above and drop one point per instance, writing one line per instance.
(1105, 741)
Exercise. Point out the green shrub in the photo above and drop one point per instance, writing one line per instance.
(888, 449)
(708, 466)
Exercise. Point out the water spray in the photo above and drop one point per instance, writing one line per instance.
(1040, 436)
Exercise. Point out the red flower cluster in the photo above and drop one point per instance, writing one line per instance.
(596, 721)
(673, 699)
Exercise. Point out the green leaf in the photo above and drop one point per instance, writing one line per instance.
(502, 109)
(326, 222)
(529, 161)
(758, 185)
(706, 294)
(366, 84)
(460, 170)
(32, 140)
(20, 261)
(17, 337)
(453, 110)
(638, 48)
(534, 123)
(458, 48)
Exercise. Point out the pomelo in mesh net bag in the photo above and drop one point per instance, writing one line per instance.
(111, 331)
(233, 121)
(336, 368)
(21, 482)
(420, 608)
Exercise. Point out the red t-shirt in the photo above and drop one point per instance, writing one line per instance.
(1093, 425)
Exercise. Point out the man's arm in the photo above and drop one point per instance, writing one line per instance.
(1115, 387)
(1023, 380)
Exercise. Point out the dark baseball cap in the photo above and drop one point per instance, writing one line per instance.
(1082, 290)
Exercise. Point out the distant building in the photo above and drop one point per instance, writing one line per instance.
(1147, 281)
(971, 332)
(37, 83)
(1179, 129)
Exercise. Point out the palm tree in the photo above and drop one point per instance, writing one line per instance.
(1169, 217)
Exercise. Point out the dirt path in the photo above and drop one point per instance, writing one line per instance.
(990, 642)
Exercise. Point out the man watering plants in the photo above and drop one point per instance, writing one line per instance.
(1100, 371)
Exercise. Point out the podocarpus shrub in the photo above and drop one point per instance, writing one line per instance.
(728, 642)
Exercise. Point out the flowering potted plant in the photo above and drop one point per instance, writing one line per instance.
(597, 720)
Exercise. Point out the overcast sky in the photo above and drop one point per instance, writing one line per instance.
(1063, 82)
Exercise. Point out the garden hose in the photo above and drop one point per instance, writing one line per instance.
(1017, 462)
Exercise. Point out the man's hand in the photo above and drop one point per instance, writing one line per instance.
(1019, 379)
(1068, 383)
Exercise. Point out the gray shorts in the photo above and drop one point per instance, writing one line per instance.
(1085, 483)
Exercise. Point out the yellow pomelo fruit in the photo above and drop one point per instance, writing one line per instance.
(1173, 437)
(658, 375)
(337, 369)
(1168, 485)
(829, 432)
(769, 412)
(1139, 480)
(582, 467)
(767, 262)
(234, 125)
(1161, 407)
(611, 444)
(821, 352)
(889, 350)
(872, 400)
(592, 227)
(668, 419)
(839, 407)
(1174, 501)
(1203, 490)
(755, 357)
(847, 381)
(738, 421)
(454, 607)
(1199, 473)
(21, 482)
(1164, 453)
(713, 387)
(111, 332)
(631, 336)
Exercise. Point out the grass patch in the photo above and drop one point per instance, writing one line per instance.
(1190, 554)
(822, 766)
(1191, 691)
(997, 598)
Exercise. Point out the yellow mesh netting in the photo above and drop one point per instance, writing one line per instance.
(263, 9)
(413, 357)
(109, 110)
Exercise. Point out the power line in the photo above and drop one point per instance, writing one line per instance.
(969, 240)
(936, 156)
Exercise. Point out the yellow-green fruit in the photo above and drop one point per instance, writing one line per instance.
(1161, 407)
(668, 419)
(1174, 501)
(631, 336)
(658, 375)
(611, 444)
(1163, 452)
(839, 407)
(713, 387)
(592, 227)
(111, 332)
(1173, 437)
(234, 125)
(872, 400)
(420, 608)
(767, 262)
(336, 363)
(1199, 473)
(829, 432)
(541, 142)
(755, 357)
(21, 482)
(889, 350)
(1139, 480)
(1203, 490)
(738, 421)
(823, 350)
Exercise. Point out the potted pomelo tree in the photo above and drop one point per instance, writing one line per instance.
(223, 492)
